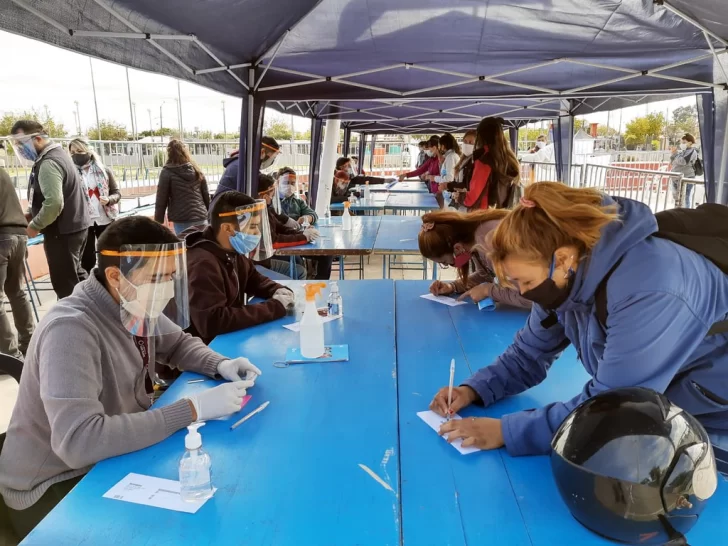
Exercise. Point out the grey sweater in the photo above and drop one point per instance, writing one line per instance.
(82, 397)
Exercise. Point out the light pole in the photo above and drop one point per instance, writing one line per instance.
(78, 118)
(179, 111)
(151, 127)
(179, 118)
(96, 104)
(160, 121)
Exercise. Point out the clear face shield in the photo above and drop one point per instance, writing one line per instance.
(254, 239)
(153, 288)
(287, 185)
(24, 148)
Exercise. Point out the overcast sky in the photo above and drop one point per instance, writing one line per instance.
(35, 75)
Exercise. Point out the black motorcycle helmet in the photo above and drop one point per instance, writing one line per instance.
(633, 467)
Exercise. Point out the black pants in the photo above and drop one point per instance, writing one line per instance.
(323, 267)
(88, 260)
(63, 253)
(24, 521)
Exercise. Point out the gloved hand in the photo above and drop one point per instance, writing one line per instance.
(238, 369)
(311, 234)
(291, 223)
(220, 401)
(286, 297)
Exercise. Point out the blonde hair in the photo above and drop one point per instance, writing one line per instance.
(84, 145)
(442, 230)
(551, 215)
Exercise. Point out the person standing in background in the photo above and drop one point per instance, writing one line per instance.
(683, 161)
(13, 248)
(58, 207)
(103, 194)
(422, 157)
(183, 189)
(269, 152)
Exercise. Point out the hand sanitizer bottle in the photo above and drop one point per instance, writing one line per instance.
(312, 329)
(336, 305)
(346, 218)
(194, 468)
(327, 215)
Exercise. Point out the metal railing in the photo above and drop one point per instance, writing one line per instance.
(659, 190)
(532, 172)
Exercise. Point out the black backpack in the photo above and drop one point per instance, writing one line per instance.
(698, 167)
(703, 230)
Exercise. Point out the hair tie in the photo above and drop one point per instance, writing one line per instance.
(427, 226)
(527, 203)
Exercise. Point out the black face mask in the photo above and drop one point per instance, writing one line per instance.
(547, 294)
(81, 159)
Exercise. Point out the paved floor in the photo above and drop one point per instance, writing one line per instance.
(372, 270)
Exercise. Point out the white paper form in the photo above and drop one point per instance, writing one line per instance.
(296, 326)
(445, 300)
(151, 491)
(435, 422)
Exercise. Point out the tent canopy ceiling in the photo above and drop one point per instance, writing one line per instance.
(520, 59)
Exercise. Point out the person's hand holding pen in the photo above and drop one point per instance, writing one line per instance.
(483, 432)
(461, 398)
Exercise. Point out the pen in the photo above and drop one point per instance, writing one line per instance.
(449, 391)
(197, 381)
(257, 410)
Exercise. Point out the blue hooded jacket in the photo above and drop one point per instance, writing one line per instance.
(661, 300)
(229, 179)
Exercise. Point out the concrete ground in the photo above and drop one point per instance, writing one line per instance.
(372, 270)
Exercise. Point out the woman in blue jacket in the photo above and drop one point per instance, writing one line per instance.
(558, 246)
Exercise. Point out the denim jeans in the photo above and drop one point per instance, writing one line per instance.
(283, 267)
(179, 227)
(13, 249)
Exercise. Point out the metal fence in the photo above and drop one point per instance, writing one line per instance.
(532, 172)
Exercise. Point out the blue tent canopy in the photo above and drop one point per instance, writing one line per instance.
(521, 59)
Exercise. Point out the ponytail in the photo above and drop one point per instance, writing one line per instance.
(551, 215)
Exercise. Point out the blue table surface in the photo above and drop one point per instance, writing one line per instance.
(398, 234)
(290, 475)
(487, 497)
(402, 187)
(335, 241)
(412, 201)
(376, 201)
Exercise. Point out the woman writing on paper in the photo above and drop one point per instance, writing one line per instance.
(455, 239)
(568, 250)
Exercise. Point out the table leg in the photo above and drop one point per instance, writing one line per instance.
(292, 267)
(341, 268)
(424, 269)
(434, 271)
(384, 266)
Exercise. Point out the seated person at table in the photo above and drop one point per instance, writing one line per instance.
(638, 309)
(291, 204)
(343, 164)
(456, 239)
(431, 167)
(221, 275)
(285, 232)
(299, 211)
(85, 396)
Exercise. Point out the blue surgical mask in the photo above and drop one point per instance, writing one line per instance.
(27, 150)
(244, 243)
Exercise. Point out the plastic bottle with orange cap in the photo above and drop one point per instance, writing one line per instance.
(312, 329)
(346, 218)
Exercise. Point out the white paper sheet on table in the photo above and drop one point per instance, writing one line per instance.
(446, 300)
(151, 491)
(435, 422)
(296, 326)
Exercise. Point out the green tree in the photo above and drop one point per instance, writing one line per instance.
(642, 131)
(278, 129)
(684, 120)
(110, 130)
(45, 118)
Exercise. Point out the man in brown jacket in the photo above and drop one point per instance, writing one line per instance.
(221, 275)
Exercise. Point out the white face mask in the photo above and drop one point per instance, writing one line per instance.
(151, 299)
(429, 153)
(683, 145)
(540, 144)
(468, 149)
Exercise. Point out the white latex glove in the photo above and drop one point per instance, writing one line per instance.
(291, 223)
(286, 297)
(220, 401)
(311, 234)
(238, 369)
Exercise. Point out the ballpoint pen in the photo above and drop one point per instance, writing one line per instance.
(449, 391)
(257, 410)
